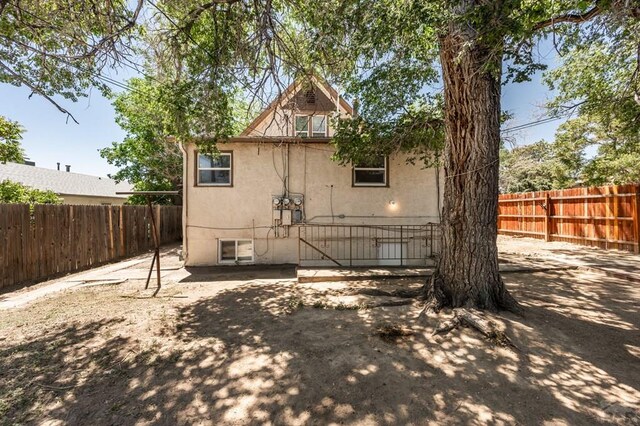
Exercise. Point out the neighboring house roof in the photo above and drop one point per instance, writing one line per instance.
(291, 91)
(61, 182)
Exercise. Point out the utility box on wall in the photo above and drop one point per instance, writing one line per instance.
(286, 217)
(288, 211)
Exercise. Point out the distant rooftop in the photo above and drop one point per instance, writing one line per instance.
(61, 182)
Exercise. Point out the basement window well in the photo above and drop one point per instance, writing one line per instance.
(234, 251)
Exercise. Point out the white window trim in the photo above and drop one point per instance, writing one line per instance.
(230, 169)
(236, 240)
(310, 132)
(385, 169)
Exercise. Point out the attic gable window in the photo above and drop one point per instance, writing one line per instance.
(374, 173)
(215, 170)
(311, 125)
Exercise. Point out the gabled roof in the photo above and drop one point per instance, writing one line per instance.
(289, 92)
(63, 183)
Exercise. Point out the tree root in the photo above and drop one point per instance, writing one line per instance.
(357, 306)
(392, 332)
(475, 319)
(510, 304)
(402, 293)
(388, 303)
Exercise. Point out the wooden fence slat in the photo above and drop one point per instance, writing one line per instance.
(3, 253)
(605, 217)
(48, 240)
(636, 218)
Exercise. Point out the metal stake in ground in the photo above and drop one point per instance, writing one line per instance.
(155, 231)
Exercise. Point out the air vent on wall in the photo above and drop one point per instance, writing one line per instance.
(310, 95)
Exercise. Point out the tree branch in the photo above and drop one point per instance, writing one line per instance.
(195, 13)
(575, 18)
(37, 90)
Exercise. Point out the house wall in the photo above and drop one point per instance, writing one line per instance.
(91, 200)
(245, 210)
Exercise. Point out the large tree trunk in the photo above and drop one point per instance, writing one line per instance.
(467, 272)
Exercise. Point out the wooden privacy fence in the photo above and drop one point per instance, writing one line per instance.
(605, 217)
(50, 240)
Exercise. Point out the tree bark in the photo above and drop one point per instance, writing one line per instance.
(467, 272)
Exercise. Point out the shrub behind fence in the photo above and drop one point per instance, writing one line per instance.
(50, 240)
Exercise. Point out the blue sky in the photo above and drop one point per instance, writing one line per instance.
(50, 139)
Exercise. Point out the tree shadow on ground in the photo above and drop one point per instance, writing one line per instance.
(252, 354)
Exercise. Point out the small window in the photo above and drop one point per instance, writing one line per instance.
(319, 125)
(302, 126)
(215, 170)
(234, 251)
(371, 174)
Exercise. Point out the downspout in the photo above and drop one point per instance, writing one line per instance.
(185, 203)
(438, 195)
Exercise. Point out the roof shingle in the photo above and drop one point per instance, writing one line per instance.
(63, 183)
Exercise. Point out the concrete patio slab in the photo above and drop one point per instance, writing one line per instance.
(112, 274)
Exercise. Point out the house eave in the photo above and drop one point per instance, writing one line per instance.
(279, 140)
(270, 139)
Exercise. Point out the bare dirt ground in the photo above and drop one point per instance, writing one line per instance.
(618, 263)
(254, 347)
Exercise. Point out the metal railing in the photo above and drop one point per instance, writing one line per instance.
(368, 245)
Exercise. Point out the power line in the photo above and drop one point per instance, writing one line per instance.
(534, 123)
(108, 80)
(95, 74)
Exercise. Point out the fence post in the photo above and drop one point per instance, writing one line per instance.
(112, 251)
(401, 248)
(636, 219)
(123, 251)
(158, 228)
(616, 223)
(350, 247)
(547, 218)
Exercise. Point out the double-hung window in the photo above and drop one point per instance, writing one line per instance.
(302, 126)
(233, 251)
(311, 126)
(372, 173)
(215, 170)
(319, 125)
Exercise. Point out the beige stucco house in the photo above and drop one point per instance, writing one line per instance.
(275, 196)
